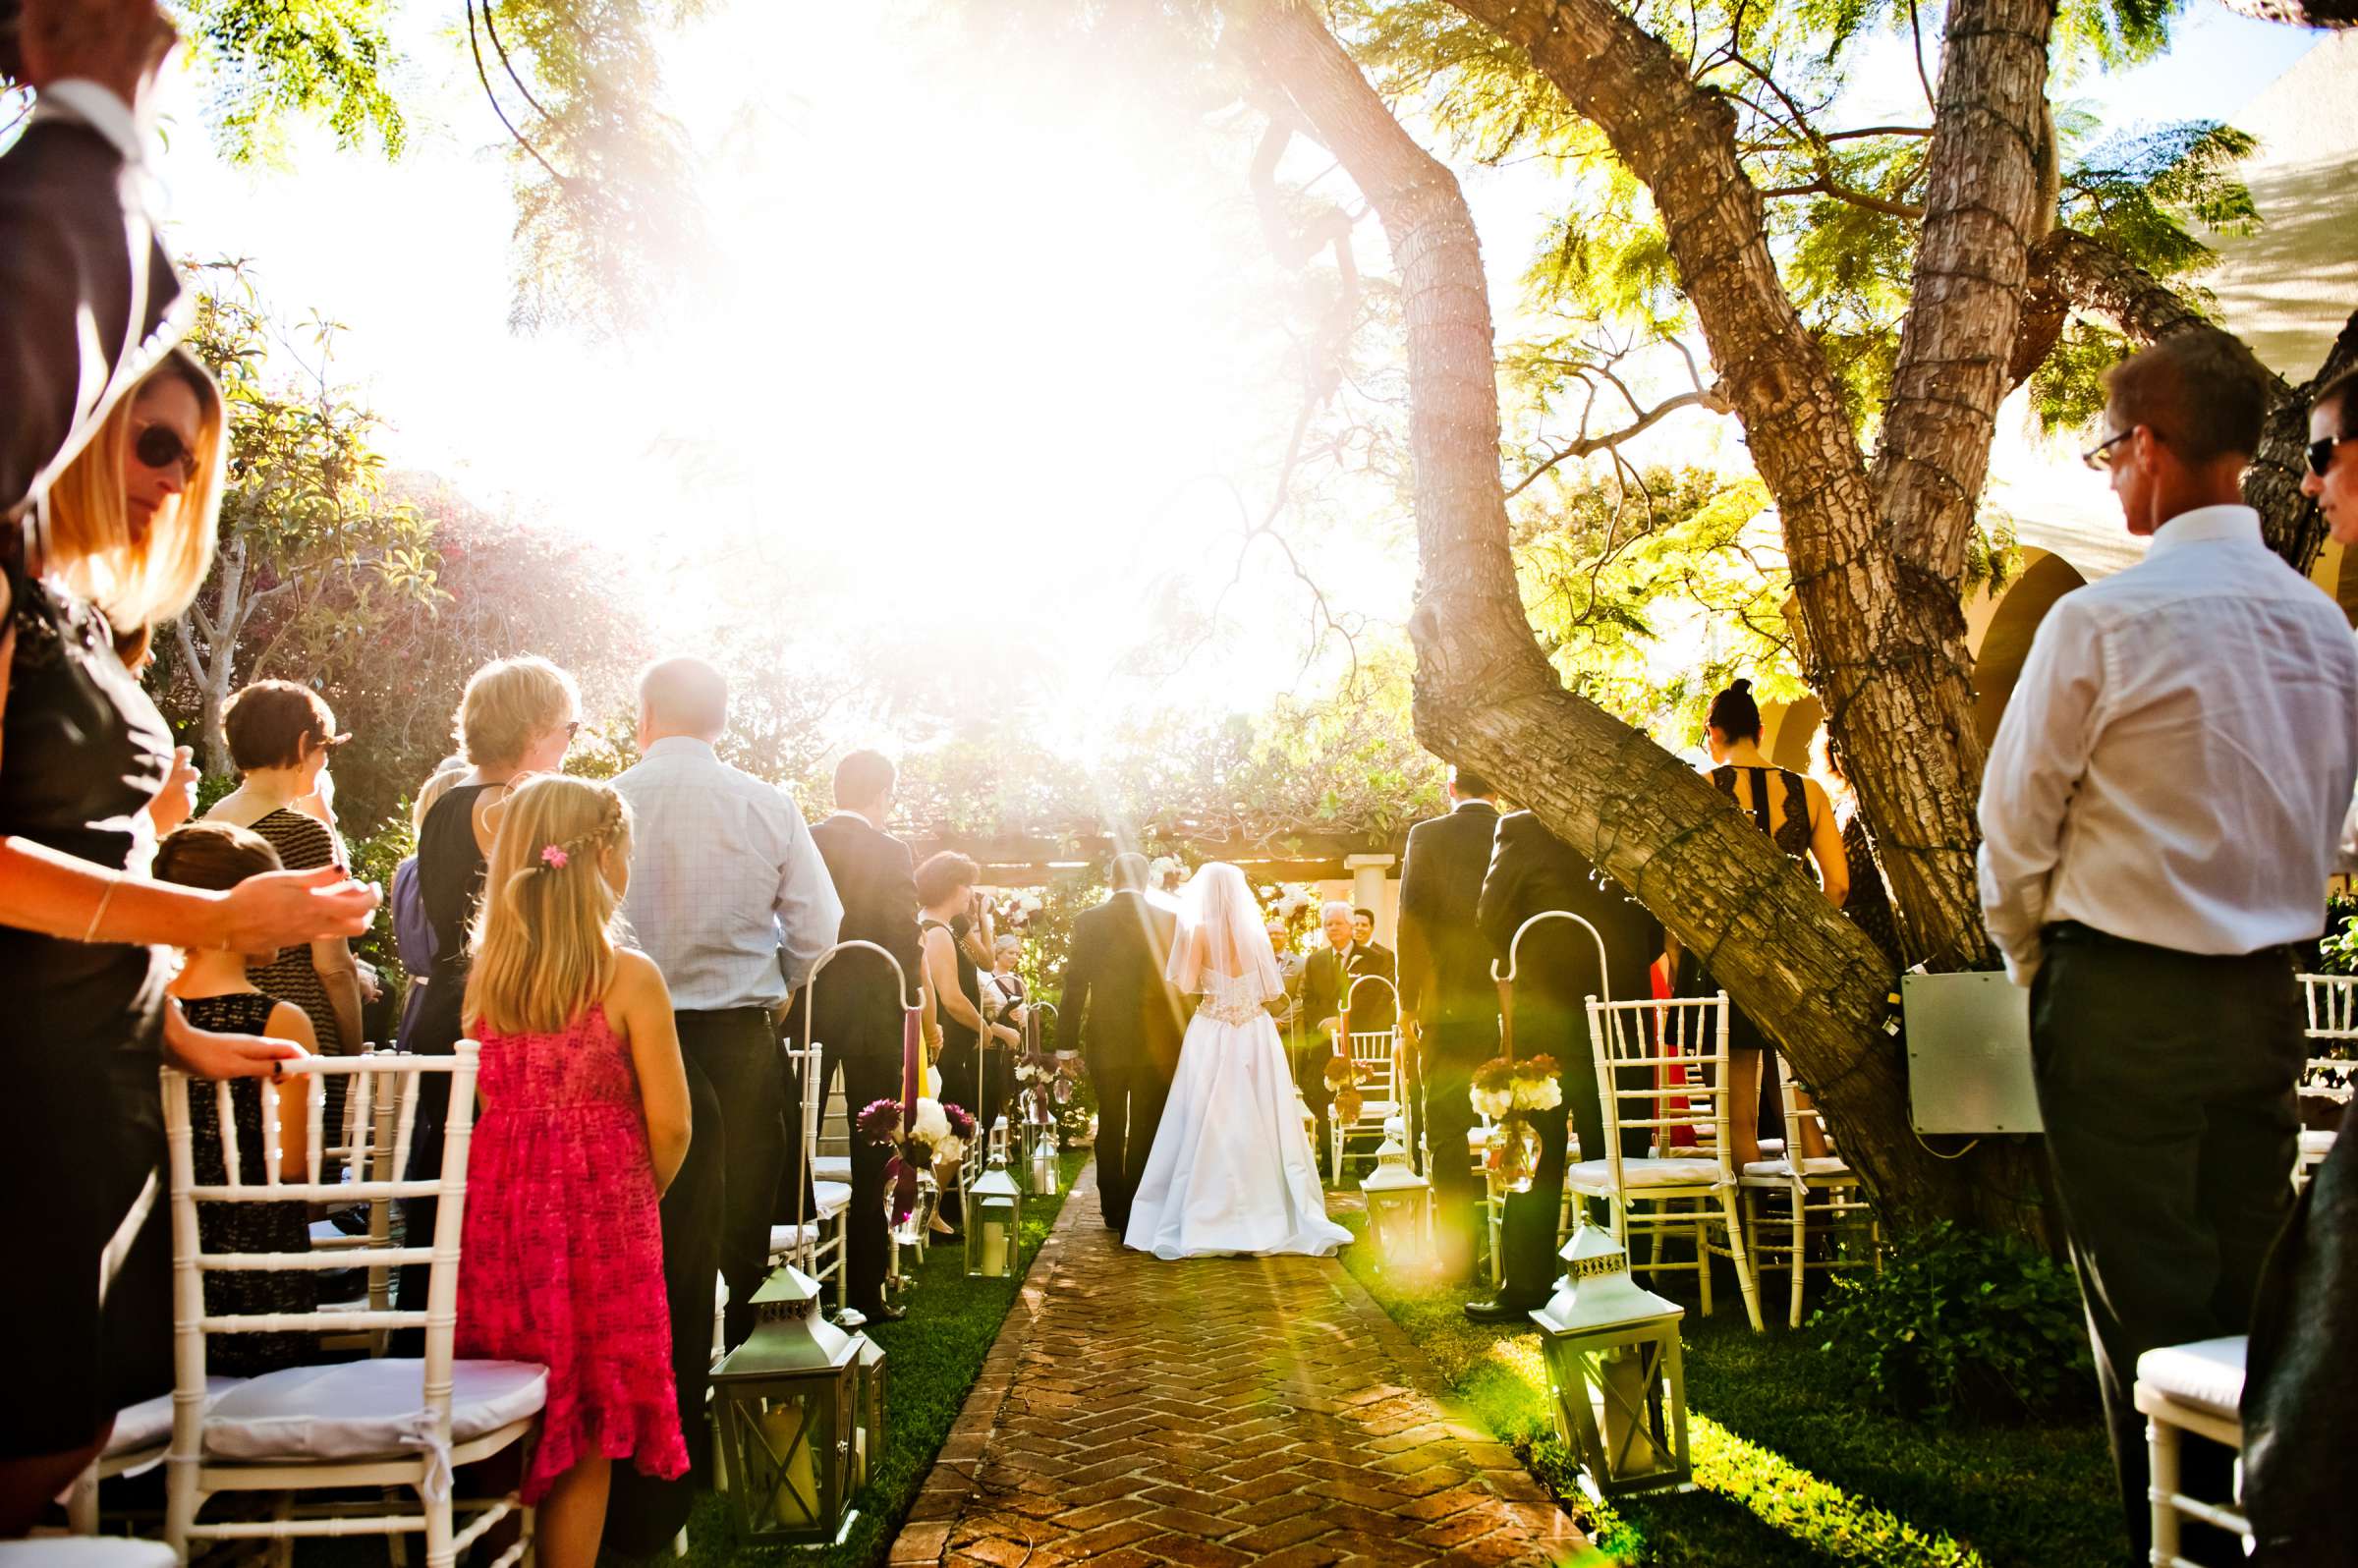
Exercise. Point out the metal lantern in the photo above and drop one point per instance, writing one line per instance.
(1399, 1202)
(994, 1223)
(868, 1422)
(1615, 1371)
(786, 1399)
(1040, 1156)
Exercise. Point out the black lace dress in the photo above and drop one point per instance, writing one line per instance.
(246, 1227)
(81, 750)
(1792, 835)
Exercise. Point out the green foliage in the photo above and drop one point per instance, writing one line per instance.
(270, 60)
(2337, 949)
(374, 858)
(2068, 389)
(1961, 1322)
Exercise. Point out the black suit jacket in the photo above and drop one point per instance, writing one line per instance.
(1530, 871)
(1117, 1006)
(858, 1005)
(75, 246)
(1324, 985)
(1440, 890)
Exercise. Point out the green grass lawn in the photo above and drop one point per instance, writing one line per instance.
(932, 1358)
(1790, 1467)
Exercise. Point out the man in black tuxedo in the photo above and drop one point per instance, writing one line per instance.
(1531, 870)
(1121, 1015)
(1446, 995)
(1329, 983)
(89, 301)
(858, 1017)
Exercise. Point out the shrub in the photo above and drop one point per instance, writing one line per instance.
(1963, 1323)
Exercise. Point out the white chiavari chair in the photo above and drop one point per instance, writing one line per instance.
(1821, 1189)
(379, 1423)
(2189, 1388)
(1661, 1065)
(1376, 1056)
(2331, 1003)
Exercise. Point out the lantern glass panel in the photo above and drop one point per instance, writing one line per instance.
(867, 1427)
(788, 1446)
(992, 1229)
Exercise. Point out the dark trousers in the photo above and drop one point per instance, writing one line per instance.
(2168, 1082)
(1310, 1059)
(867, 1079)
(737, 1051)
(1452, 1050)
(1528, 1225)
(1130, 1099)
(642, 1513)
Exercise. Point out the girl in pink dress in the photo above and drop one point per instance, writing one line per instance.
(583, 1123)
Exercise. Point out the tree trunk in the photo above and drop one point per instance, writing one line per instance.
(1486, 698)
(215, 666)
(2294, 527)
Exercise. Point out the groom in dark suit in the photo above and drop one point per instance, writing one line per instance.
(1532, 871)
(1121, 1015)
(1446, 994)
(858, 1002)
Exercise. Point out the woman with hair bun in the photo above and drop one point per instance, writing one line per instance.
(1793, 809)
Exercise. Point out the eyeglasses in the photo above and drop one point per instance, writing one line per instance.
(159, 446)
(2321, 453)
(573, 727)
(2100, 456)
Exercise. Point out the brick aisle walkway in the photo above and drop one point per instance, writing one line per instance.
(1213, 1411)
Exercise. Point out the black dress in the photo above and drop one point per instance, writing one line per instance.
(960, 1045)
(450, 880)
(1869, 905)
(246, 1227)
(82, 750)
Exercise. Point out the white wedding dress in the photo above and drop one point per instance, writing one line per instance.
(1231, 1170)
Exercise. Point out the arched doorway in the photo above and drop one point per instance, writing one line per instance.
(2007, 641)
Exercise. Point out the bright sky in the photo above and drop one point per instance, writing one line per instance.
(975, 338)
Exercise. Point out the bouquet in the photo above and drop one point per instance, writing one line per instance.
(940, 1133)
(1508, 1090)
(1342, 1083)
(1045, 1081)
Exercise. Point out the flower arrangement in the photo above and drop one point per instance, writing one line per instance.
(1045, 1081)
(1342, 1084)
(939, 1136)
(1295, 904)
(1509, 1089)
(1013, 910)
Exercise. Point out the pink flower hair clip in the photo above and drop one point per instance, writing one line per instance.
(553, 856)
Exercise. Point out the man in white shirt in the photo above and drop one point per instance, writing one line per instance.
(2158, 815)
(730, 898)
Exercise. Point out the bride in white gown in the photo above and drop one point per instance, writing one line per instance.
(1232, 1170)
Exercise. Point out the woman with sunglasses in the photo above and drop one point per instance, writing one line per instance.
(124, 542)
(516, 718)
(280, 735)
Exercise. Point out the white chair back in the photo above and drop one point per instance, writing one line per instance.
(2331, 1005)
(1661, 1065)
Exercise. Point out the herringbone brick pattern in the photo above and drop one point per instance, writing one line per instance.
(1214, 1412)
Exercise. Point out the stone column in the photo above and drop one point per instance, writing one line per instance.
(1367, 876)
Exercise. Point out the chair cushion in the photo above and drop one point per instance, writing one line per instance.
(85, 1551)
(1825, 1165)
(1599, 1173)
(782, 1238)
(832, 1197)
(149, 1422)
(831, 1168)
(364, 1409)
(2206, 1374)
(2316, 1142)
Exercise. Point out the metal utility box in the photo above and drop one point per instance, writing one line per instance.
(1969, 1055)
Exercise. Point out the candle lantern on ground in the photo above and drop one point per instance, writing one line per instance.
(1615, 1370)
(867, 1417)
(1399, 1203)
(1040, 1151)
(994, 1223)
(786, 1399)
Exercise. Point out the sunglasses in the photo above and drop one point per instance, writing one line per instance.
(159, 446)
(2321, 453)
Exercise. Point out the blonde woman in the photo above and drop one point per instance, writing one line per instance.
(83, 754)
(584, 1124)
(517, 719)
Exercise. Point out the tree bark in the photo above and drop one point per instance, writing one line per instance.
(2299, 13)
(1885, 636)
(1486, 698)
(2293, 525)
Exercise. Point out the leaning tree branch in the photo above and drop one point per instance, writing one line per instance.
(1826, 186)
(1591, 445)
(2299, 13)
(2070, 271)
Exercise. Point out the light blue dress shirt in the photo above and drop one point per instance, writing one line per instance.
(728, 893)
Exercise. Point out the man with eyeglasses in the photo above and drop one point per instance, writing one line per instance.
(2158, 815)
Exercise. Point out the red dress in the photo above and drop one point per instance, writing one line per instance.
(562, 1251)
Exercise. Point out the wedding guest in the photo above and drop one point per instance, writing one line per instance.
(860, 1004)
(1868, 903)
(1330, 978)
(945, 889)
(734, 904)
(1446, 996)
(1363, 933)
(280, 736)
(2158, 814)
(216, 989)
(412, 927)
(1555, 971)
(87, 296)
(516, 718)
(1793, 810)
(1121, 1015)
(2332, 477)
(83, 754)
(1287, 1009)
(1005, 952)
(584, 1122)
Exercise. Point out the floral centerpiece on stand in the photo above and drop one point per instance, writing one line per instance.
(1509, 1089)
(1342, 1087)
(939, 1136)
